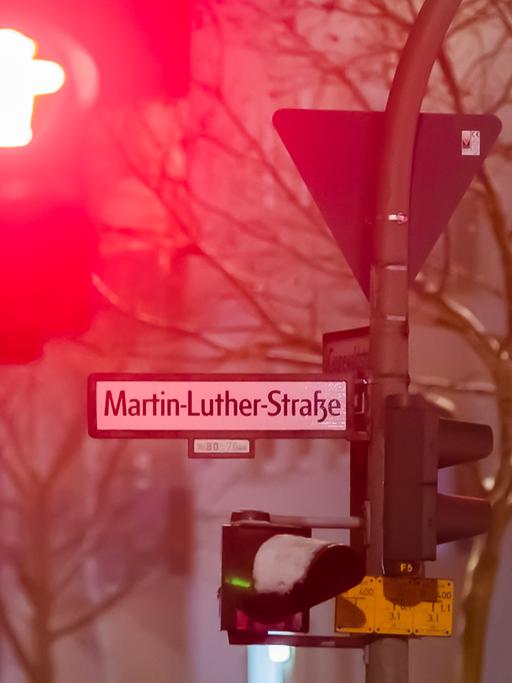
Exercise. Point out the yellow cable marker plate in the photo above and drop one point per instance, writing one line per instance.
(355, 609)
(396, 606)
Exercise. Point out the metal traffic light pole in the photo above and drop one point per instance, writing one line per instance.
(387, 657)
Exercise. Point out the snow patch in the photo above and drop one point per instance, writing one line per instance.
(282, 561)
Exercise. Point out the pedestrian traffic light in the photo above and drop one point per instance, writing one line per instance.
(272, 574)
(22, 77)
(140, 49)
(417, 444)
(48, 242)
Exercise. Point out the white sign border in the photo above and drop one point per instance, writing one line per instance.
(348, 433)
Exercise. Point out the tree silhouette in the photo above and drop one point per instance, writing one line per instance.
(233, 204)
(214, 254)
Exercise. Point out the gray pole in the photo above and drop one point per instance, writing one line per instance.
(388, 657)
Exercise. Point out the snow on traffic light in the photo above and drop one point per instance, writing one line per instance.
(273, 574)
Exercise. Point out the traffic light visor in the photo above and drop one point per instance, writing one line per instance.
(314, 576)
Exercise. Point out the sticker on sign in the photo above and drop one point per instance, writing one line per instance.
(221, 445)
(183, 405)
(220, 448)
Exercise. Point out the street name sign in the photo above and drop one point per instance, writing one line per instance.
(219, 406)
(347, 350)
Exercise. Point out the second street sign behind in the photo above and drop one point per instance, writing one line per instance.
(180, 406)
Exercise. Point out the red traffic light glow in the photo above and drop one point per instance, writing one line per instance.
(22, 78)
(48, 252)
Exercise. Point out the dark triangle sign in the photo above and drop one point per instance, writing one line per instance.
(337, 154)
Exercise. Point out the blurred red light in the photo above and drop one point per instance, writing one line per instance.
(48, 252)
(22, 78)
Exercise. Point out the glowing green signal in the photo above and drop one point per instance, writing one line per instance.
(239, 582)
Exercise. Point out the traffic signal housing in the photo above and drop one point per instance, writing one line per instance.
(272, 574)
(139, 48)
(418, 442)
(48, 252)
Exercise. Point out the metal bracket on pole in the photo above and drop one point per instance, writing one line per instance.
(300, 640)
(320, 522)
(247, 517)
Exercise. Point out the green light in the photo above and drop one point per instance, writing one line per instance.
(239, 582)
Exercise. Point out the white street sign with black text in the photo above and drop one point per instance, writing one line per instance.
(146, 405)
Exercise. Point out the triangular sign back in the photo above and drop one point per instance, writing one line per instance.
(337, 154)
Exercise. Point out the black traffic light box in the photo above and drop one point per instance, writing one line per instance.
(418, 444)
(333, 568)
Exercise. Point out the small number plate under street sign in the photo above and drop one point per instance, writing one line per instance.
(398, 606)
(220, 448)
